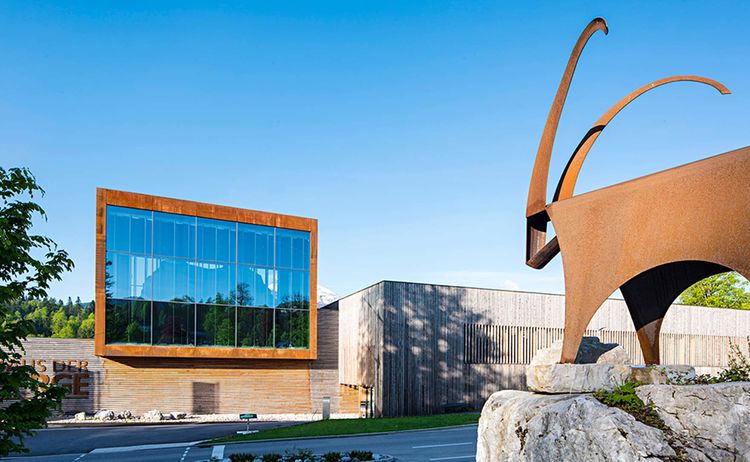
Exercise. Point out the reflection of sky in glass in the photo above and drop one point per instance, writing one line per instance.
(179, 261)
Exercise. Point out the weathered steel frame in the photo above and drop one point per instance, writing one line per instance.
(106, 197)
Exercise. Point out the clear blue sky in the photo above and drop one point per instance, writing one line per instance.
(408, 129)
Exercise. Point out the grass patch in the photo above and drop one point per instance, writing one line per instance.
(353, 426)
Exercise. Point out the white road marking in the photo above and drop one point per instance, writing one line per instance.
(218, 452)
(184, 454)
(142, 447)
(455, 457)
(79, 457)
(439, 445)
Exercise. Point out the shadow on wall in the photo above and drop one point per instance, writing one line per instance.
(425, 369)
(205, 398)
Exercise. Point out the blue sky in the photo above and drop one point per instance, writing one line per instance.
(408, 129)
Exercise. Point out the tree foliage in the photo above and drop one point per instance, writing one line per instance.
(725, 290)
(28, 263)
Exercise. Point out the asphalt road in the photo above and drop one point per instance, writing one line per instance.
(450, 444)
(78, 440)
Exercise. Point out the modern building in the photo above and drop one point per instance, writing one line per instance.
(209, 309)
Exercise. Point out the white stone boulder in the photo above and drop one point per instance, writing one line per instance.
(660, 375)
(716, 418)
(598, 365)
(176, 415)
(124, 415)
(518, 426)
(153, 415)
(80, 416)
(104, 414)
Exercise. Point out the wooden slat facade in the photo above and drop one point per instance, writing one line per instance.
(421, 346)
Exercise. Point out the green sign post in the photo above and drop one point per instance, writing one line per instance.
(248, 417)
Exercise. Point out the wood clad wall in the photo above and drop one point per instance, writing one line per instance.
(411, 340)
(324, 373)
(207, 386)
(74, 364)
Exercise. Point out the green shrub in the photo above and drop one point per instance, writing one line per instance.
(301, 454)
(625, 398)
(360, 455)
(332, 457)
(242, 457)
(738, 368)
(271, 457)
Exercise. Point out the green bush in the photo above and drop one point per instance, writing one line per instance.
(360, 455)
(625, 398)
(301, 454)
(332, 457)
(242, 457)
(738, 368)
(271, 457)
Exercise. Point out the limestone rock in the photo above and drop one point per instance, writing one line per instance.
(518, 426)
(660, 375)
(80, 416)
(124, 415)
(105, 415)
(575, 378)
(598, 365)
(178, 415)
(153, 415)
(716, 417)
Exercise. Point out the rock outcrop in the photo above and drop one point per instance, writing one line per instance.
(521, 426)
(715, 418)
(708, 423)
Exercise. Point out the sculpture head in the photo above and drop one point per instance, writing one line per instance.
(539, 252)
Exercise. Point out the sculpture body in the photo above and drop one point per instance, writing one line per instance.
(652, 237)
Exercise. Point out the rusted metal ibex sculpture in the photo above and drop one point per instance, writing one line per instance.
(652, 237)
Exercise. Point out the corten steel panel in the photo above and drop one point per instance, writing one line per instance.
(651, 237)
(106, 197)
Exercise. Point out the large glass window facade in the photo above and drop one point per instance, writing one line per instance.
(191, 281)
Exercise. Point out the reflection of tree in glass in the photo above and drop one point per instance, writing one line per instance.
(242, 294)
(218, 324)
(299, 329)
(255, 327)
(107, 279)
(296, 302)
(173, 328)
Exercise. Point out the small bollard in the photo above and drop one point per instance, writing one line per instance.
(326, 408)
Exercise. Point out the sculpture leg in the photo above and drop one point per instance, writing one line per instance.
(579, 309)
(650, 294)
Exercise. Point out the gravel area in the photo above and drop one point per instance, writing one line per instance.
(202, 418)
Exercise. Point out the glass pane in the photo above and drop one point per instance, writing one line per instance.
(129, 230)
(254, 327)
(128, 321)
(174, 323)
(216, 282)
(255, 244)
(174, 235)
(217, 240)
(128, 276)
(215, 325)
(294, 289)
(292, 329)
(292, 249)
(255, 286)
(174, 280)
